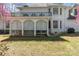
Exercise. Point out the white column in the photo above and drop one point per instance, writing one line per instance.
(22, 29)
(34, 28)
(59, 29)
(59, 24)
(58, 11)
(47, 28)
(10, 28)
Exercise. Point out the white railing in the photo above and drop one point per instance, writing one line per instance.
(32, 14)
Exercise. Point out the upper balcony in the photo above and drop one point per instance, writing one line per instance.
(71, 18)
(31, 14)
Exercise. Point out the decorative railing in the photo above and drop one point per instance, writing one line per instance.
(32, 14)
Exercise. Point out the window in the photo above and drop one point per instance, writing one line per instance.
(55, 11)
(75, 11)
(60, 24)
(60, 11)
(7, 25)
(72, 14)
(49, 24)
(55, 24)
(49, 10)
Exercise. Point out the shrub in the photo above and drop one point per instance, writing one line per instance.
(71, 30)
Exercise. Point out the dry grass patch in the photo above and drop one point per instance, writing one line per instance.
(44, 46)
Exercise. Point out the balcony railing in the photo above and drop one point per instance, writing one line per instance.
(32, 14)
(71, 17)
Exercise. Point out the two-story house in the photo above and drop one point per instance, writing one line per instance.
(42, 20)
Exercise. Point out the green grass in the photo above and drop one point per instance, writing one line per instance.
(63, 45)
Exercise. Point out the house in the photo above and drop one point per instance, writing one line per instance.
(41, 20)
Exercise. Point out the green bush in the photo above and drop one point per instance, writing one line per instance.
(71, 30)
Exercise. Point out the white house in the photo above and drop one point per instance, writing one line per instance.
(40, 20)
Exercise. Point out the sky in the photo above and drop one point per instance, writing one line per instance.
(12, 7)
(20, 4)
(69, 4)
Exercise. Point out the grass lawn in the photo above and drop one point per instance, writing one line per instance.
(64, 45)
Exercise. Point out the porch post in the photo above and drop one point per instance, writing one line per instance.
(47, 29)
(22, 29)
(10, 28)
(34, 28)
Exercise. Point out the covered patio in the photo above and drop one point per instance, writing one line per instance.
(29, 26)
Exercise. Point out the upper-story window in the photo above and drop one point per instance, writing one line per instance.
(7, 25)
(49, 10)
(60, 11)
(75, 11)
(72, 14)
(55, 11)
